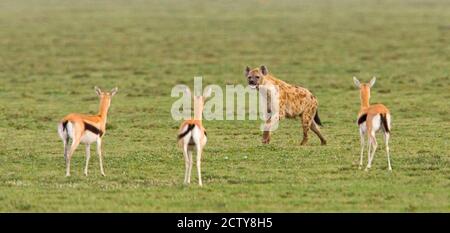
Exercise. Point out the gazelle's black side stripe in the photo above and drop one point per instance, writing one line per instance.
(384, 123)
(190, 127)
(362, 119)
(93, 129)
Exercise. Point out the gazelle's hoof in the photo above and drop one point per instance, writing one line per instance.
(67, 175)
(360, 167)
(367, 169)
(103, 174)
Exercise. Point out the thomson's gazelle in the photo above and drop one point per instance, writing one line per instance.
(192, 136)
(86, 129)
(372, 118)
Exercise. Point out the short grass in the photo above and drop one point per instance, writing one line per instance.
(52, 54)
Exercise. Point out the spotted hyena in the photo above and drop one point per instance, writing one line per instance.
(294, 101)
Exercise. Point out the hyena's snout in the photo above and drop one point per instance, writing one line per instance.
(253, 82)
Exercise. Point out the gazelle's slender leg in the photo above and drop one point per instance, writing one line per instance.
(99, 152)
(374, 148)
(369, 146)
(190, 166)
(199, 158)
(66, 147)
(186, 163)
(375, 145)
(73, 147)
(361, 133)
(88, 156)
(386, 143)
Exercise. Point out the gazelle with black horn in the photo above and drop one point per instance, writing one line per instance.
(192, 136)
(86, 129)
(372, 118)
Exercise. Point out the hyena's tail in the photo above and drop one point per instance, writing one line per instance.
(317, 119)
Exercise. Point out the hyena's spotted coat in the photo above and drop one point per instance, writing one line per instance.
(294, 101)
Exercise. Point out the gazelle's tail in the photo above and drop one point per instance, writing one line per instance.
(385, 123)
(62, 130)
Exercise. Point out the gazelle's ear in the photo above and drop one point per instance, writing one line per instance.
(372, 81)
(264, 70)
(207, 93)
(356, 82)
(246, 71)
(98, 91)
(114, 91)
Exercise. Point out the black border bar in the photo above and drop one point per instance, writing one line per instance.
(225, 222)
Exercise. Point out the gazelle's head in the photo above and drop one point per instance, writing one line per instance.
(256, 76)
(105, 96)
(199, 101)
(364, 89)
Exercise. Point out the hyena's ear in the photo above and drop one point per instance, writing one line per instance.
(372, 81)
(114, 91)
(246, 71)
(98, 91)
(264, 70)
(356, 82)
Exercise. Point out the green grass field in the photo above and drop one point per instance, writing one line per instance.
(52, 54)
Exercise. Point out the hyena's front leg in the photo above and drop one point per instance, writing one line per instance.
(270, 125)
(316, 130)
(275, 112)
(266, 133)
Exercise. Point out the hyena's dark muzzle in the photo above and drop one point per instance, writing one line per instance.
(253, 81)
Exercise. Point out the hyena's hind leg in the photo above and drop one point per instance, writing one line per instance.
(316, 130)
